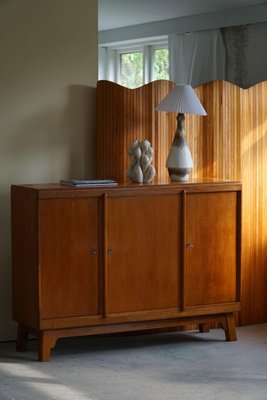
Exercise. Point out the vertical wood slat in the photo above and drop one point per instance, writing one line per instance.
(229, 143)
(254, 175)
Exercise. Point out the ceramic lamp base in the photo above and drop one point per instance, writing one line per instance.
(179, 161)
(179, 174)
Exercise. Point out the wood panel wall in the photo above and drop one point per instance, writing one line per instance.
(229, 143)
(125, 115)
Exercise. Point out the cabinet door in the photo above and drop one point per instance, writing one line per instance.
(210, 253)
(143, 267)
(69, 281)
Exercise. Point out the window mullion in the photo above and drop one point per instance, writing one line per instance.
(111, 66)
(118, 67)
(147, 64)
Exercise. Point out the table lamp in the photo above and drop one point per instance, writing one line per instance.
(181, 99)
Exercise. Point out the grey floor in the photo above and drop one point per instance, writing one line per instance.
(170, 366)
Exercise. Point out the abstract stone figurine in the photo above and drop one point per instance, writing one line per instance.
(141, 169)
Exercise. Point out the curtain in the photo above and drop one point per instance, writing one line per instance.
(197, 57)
(236, 54)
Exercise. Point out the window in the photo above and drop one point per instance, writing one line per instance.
(136, 64)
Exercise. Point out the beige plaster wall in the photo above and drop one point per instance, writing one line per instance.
(48, 74)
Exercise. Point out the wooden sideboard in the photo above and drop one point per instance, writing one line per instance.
(126, 258)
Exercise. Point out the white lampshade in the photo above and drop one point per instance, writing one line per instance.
(181, 99)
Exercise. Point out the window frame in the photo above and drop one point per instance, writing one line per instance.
(110, 63)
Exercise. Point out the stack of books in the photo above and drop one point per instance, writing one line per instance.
(88, 182)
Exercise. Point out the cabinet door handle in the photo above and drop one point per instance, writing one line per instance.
(109, 250)
(94, 252)
(189, 245)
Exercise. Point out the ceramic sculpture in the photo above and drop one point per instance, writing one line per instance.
(141, 169)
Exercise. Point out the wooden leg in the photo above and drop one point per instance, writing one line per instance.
(22, 338)
(183, 328)
(47, 341)
(230, 332)
(204, 328)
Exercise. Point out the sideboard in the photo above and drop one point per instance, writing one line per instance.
(122, 259)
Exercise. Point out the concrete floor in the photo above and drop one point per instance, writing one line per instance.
(170, 366)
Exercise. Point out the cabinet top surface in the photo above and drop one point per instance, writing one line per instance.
(59, 190)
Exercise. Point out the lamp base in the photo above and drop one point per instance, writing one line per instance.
(179, 161)
(179, 174)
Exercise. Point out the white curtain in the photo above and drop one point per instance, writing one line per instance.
(197, 57)
(237, 54)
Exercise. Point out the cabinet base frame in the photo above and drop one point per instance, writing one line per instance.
(47, 338)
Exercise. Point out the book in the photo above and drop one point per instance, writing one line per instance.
(88, 182)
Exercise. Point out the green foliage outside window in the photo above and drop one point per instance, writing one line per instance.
(132, 69)
(161, 64)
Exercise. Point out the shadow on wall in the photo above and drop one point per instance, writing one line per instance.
(45, 146)
(6, 323)
(80, 119)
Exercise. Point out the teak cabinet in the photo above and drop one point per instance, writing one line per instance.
(126, 258)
